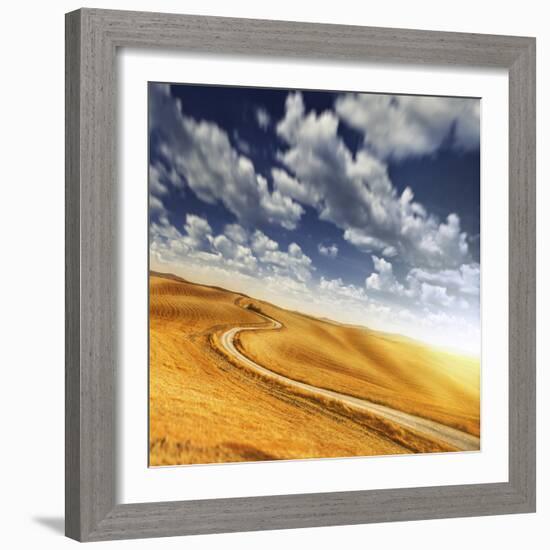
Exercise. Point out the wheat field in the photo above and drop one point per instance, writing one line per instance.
(206, 406)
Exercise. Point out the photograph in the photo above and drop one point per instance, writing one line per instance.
(314, 274)
(274, 284)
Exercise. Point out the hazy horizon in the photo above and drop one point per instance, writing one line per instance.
(283, 301)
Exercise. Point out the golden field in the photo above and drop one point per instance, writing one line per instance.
(207, 406)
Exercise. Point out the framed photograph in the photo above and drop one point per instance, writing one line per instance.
(300, 275)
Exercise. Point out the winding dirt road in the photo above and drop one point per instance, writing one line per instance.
(456, 438)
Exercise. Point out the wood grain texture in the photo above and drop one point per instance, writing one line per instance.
(522, 275)
(72, 277)
(92, 37)
(91, 218)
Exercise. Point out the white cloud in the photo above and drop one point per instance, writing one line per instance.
(261, 243)
(287, 285)
(199, 232)
(234, 254)
(242, 145)
(443, 288)
(236, 233)
(263, 118)
(155, 204)
(403, 126)
(407, 231)
(368, 243)
(330, 251)
(356, 194)
(383, 279)
(293, 262)
(326, 168)
(294, 112)
(202, 155)
(435, 295)
(167, 244)
(337, 287)
(234, 250)
(155, 184)
(160, 177)
(291, 187)
(278, 208)
(464, 280)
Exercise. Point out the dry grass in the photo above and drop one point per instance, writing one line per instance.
(387, 369)
(204, 408)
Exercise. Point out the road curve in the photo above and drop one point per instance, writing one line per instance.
(456, 438)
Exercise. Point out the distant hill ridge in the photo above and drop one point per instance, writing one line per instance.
(393, 336)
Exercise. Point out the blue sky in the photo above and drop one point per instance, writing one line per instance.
(359, 207)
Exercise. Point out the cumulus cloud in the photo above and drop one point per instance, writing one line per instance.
(278, 208)
(404, 126)
(158, 176)
(368, 243)
(337, 287)
(198, 230)
(285, 184)
(288, 285)
(464, 280)
(330, 251)
(383, 279)
(197, 244)
(293, 261)
(236, 233)
(435, 295)
(261, 243)
(263, 118)
(235, 254)
(430, 288)
(356, 194)
(235, 249)
(155, 204)
(294, 113)
(418, 238)
(201, 154)
(325, 167)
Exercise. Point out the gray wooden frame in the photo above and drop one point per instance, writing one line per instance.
(92, 39)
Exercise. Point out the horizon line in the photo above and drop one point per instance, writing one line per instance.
(444, 349)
